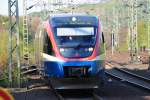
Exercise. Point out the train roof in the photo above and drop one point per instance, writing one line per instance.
(73, 19)
(70, 15)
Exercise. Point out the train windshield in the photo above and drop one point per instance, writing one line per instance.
(75, 36)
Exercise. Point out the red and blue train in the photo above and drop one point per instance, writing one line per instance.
(72, 48)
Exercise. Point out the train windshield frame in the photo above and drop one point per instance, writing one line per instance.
(81, 36)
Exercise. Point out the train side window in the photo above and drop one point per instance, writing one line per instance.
(47, 44)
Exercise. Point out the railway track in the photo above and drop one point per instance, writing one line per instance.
(77, 95)
(127, 76)
(28, 69)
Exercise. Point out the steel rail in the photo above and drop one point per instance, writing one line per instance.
(92, 97)
(129, 77)
(131, 73)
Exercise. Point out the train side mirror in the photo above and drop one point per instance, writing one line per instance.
(103, 39)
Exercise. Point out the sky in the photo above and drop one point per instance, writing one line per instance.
(4, 5)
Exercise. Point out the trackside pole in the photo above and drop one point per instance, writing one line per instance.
(132, 14)
(112, 43)
(148, 18)
(13, 13)
(148, 6)
(149, 64)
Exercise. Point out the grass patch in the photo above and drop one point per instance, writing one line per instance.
(3, 49)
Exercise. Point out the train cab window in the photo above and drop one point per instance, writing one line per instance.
(47, 44)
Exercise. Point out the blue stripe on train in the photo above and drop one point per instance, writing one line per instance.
(55, 68)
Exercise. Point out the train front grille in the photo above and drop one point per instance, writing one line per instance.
(76, 71)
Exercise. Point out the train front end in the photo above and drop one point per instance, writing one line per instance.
(73, 50)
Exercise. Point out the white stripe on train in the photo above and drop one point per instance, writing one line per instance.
(47, 57)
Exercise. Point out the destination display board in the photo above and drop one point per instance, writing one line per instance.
(80, 31)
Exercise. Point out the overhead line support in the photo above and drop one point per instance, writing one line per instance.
(13, 13)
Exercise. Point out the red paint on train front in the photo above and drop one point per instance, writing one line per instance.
(57, 52)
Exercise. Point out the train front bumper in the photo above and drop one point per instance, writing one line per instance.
(57, 69)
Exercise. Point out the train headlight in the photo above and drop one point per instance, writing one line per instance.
(90, 49)
(62, 49)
